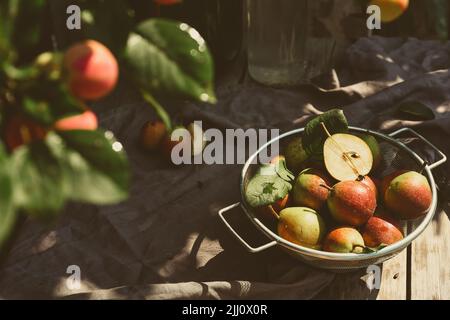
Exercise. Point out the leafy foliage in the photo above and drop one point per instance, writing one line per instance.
(314, 135)
(171, 57)
(40, 175)
(271, 183)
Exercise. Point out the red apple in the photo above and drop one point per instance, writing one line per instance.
(84, 121)
(92, 70)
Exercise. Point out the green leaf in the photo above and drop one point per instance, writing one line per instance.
(172, 58)
(314, 135)
(106, 21)
(49, 101)
(27, 31)
(415, 110)
(38, 180)
(7, 213)
(8, 13)
(270, 184)
(87, 166)
(95, 166)
(373, 250)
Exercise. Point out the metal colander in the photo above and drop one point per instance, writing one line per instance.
(397, 154)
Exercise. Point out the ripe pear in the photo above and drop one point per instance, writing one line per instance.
(408, 195)
(369, 182)
(387, 180)
(344, 240)
(381, 230)
(295, 155)
(273, 210)
(309, 189)
(302, 226)
(374, 148)
(347, 157)
(351, 202)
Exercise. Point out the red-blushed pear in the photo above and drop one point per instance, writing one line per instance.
(302, 226)
(91, 68)
(408, 195)
(309, 190)
(381, 230)
(273, 210)
(84, 121)
(20, 130)
(351, 202)
(387, 180)
(369, 182)
(344, 240)
(152, 134)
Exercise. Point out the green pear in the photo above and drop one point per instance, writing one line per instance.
(295, 155)
(408, 195)
(374, 147)
(344, 240)
(309, 190)
(302, 226)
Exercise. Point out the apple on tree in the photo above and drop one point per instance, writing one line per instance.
(92, 70)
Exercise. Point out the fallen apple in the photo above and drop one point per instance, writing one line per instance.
(344, 240)
(152, 134)
(347, 157)
(351, 202)
(302, 226)
(408, 195)
(309, 189)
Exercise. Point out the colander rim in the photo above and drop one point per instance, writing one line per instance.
(350, 257)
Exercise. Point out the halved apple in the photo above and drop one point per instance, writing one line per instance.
(347, 157)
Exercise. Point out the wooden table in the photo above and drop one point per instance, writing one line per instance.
(422, 271)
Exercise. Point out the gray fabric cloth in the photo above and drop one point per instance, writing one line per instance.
(166, 241)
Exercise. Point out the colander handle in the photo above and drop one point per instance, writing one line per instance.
(237, 236)
(443, 157)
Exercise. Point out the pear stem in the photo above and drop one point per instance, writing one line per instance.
(344, 154)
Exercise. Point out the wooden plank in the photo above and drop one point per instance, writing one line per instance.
(352, 285)
(430, 257)
(394, 278)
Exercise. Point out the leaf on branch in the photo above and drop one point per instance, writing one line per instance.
(172, 58)
(7, 212)
(86, 166)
